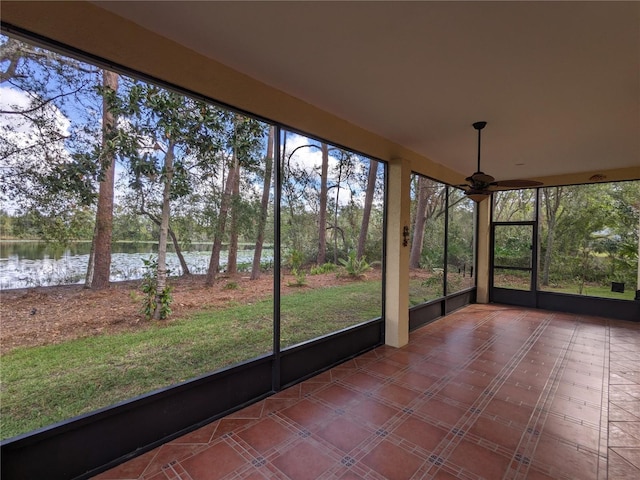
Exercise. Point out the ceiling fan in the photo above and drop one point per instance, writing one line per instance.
(480, 185)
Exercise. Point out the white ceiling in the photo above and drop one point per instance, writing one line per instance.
(557, 82)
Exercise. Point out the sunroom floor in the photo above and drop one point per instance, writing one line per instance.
(490, 391)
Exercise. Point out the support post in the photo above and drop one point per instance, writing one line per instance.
(397, 253)
(483, 229)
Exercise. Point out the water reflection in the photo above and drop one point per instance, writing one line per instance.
(30, 264)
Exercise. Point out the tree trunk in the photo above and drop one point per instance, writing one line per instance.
(89, 276)
(174, 239)
(419, 222)
(335, 217)
(176, 247)
(214, 261)
(99, 268)
(368, 202)
(232, 259)
(264, 206)
(164, 228)
(322, 218)
(551, 204)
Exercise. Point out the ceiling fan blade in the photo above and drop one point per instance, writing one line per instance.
(517, 183)
(480, 178)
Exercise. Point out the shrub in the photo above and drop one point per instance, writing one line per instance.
(149, 287)
(325, 268)
(354, 266)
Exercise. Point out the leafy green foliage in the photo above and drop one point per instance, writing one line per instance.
(324, 268)
(149, 287)
(354, 266)
(295, 262)
(231, 286)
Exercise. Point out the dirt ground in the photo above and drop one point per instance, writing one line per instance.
(49, 315)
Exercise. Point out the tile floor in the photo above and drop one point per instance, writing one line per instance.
(490, 391)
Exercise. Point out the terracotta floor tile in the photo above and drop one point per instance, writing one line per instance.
(213, 463)
(344, 434)
(490, 368)
(266, 435)
(631, 455)
(227, 425)
(415, 381)
(618, 414)
(372, 412)
(479, 460)
(202, 435)
(391, 461)
(432, 369)
(528, 378)
(396, 394)
(307, 413)
(383, 368)
(624, 434)
(251, 412)
(420, 433)
(582, 378)
(572, 432)
(574, 392)
(442, 475)
(277, 404)
(291, 392)
(439, 410)
(303, 462)
(128, 470)
(576, 410)
(622, 378)
(405, 357)
(567, 459)
(168, 453)
(302, 431)
(533, 474)
(476, 379)
(362, 381)
(466, 394)
(497, 432)
(621, 469)
(349, 475)
(516, 413)
(518, 393)
(337, 396)
(631, 389)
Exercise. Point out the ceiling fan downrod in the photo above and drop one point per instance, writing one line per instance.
(479, 126)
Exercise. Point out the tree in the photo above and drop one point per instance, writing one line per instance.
(44, 162)
(166, 137)
(264, 205)
(322, 214)
(552, 199)
(429, 200)
(99, 265)
(232, 257)
(368, 202)
(242, 141)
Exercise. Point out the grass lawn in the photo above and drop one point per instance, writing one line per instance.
(44, 385)
(593, 291)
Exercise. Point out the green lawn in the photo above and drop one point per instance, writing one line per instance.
(593, 291)
(43, 385)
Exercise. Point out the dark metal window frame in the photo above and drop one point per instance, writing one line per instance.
(426, 312)
(563, 302)
(83, 446)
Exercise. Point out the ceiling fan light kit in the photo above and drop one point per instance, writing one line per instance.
(480, 185)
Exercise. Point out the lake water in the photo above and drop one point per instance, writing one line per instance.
(31, 264)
